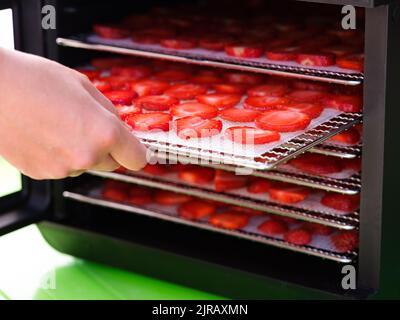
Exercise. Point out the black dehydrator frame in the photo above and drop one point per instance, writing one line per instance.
(233, 267)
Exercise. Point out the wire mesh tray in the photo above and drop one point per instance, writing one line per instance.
(202, 57)
(275, 156)
(322, 253)
(347, 152)
(346, 222)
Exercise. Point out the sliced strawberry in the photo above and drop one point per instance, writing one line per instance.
(214, 43)
(120, 97)
(239, 115)
(108, 63)
(251, 135)
(313, 110)
(346, 103)
(352, 164)
(265, 103)
(231, 220)
(345, 241)
(196, 209)
(243, 78)
(229, 88)
(298, 237)
(259, 185)
(351, 136)
(91, 74)
(341, 202)
(273, 228)
(126, 111)
(288, 193)
(283, 120)
(156, 103)
(197, 175)
(206, 79)
(268, 90)
(149, 87)
(121, 170)
(244, 51)
(172, 75)
(178, 43)
(197, 127)
(318, 229)
(139, 195)
(352, 62)
(117, 83)
(170, 198)
(194, 109)
(110, 31)
(250, 212)
(310, 86)
(282, 54)
(132, 72)
(285, 219)
(317, 164)
(306, 96)
(156, 169)
(149, 121)
(316, 59)
(225, 180)
(219, 100)
(186, 91)
(102, 86)
(115, 191)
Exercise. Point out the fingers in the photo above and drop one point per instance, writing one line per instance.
(99, 97)
(128, 151)
(107, 164)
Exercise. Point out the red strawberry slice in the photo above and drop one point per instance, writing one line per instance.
(352, 164)
(306, 96)
(197, 127)
(206, 79)
(173, 75)
(194, 109)
(316, 59)
(126, 111)
(265, 103)
(298, 237)
(132, 72)
(282, 54)
(345, 241)
(268, 90)
(186, 91)
(196, 209)
(231, 220)
(156, 103)
(313, 110)
(248, 211)
(110, 31)
(156, 169)
(120, 97)
(117, 83)
(352, 62)
(243, 78)
(91, 74)
(219, 100)
(310, 86)
(178, 43)
(346, 103)
(197, 175)
(149, 121)
(351, 136)
(214, 43)
(139, 195)
(115, 191)
(285, 219)
(318, 229)
(317, 164)
(287, 193)
(169, 198)
(283, 120)
(251, 135)
(149, 87)
(273, 228)
(341, 202)
(225, 180)
(102, 86)
(229, 88)
(239, 115)
(259, 185)
(244, 51)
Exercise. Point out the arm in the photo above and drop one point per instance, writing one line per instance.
(54, 123)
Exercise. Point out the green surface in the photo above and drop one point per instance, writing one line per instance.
(10, 179)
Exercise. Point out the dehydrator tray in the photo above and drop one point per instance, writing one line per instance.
(214, 59)
(339, 151)
(320, 246)
(310, 212)
(275, 155)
